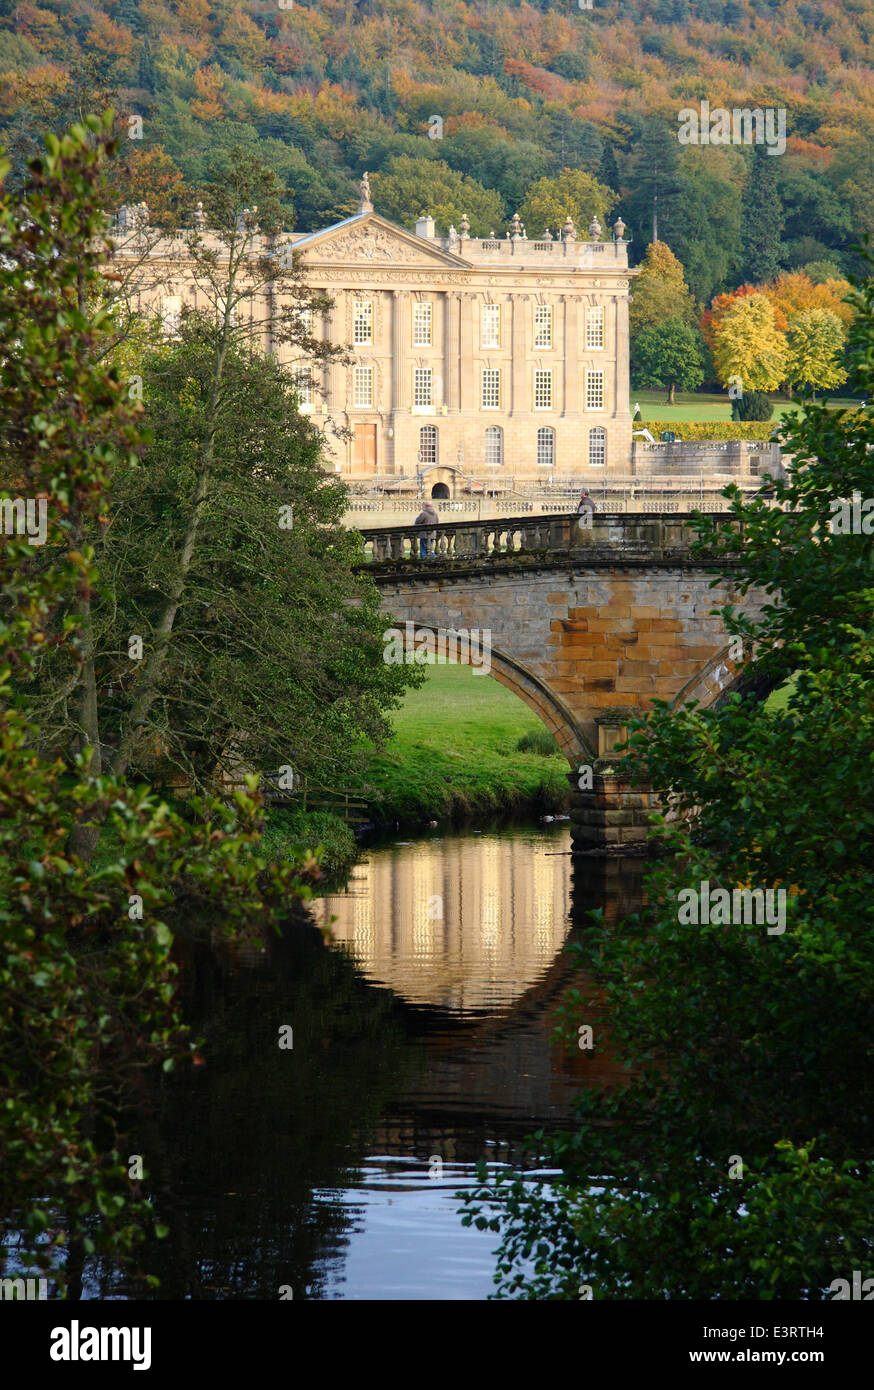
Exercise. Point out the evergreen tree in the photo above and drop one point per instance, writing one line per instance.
(654, 182)
(761, 221)
(146, 74)
(608, 170)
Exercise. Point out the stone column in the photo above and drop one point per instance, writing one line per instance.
(620, 354)
(336, 375)
(571, 401)
(400, 386)
(609, 813)
(521, 366)
(469, 377)
(451, 350)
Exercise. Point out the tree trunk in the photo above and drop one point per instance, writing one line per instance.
(671, 389)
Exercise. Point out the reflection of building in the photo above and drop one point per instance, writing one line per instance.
(475, 358)
(463, 924)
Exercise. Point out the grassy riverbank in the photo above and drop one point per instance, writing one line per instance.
(454, 754)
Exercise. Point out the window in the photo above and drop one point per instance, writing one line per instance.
(422, 386)
(595, 327)
(494, 447)
(546, 448)
(543, 390)
(422, 325)
(543, 326)
(171, 313)
(597, 447)
(490, 326)
(428, 445)
(362, 322)
(491, 393)
(363, 388)
(303, 385)
(304, 319)
(595, 390)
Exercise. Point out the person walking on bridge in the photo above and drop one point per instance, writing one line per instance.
(427, 517)
(586, 503)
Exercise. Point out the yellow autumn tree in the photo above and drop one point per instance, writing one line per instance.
(748, 344)
(815, 342)
(550, 201)
(793, 293)
(660, 292)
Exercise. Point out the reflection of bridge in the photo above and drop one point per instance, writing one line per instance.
(480, 981)
(588, 624)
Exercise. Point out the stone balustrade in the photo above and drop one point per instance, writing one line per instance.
(501, 538)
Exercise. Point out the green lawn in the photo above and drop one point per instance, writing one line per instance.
(454, 753)
(694, 406)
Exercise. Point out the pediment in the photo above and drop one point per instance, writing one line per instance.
(371, 240)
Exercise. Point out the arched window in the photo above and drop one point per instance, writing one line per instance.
(546, 448)
(428, 445)
(494, 446)
(597, 447)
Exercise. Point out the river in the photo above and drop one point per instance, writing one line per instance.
(421, 1041)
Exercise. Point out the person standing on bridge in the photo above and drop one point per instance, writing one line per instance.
(586, 503)
(427, 517)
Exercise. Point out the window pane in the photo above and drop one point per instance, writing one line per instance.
(491, 394)
(595, 390)
(421, 325)
(543, 390)
(428, 444)
(494, 446)
(363, 387)
(546, 448)
(595, 328)
(597, 447)
(543, 326)
(362, 321)
(491, 326)
(303, 384)
(422, 386)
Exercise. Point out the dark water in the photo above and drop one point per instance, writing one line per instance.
(422, 1042)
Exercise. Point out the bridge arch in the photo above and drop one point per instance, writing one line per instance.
(549, 707)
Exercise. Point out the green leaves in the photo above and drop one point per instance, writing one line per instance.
(737, 1042)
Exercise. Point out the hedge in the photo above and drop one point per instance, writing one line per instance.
(713, 429)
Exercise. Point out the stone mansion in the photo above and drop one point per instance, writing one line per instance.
(478, 363)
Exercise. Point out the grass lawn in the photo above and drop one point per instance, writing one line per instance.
(694, 406)
(454, 753)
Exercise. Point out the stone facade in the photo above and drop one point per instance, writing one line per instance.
(476, 361)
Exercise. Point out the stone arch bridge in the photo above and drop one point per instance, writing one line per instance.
(587, 623)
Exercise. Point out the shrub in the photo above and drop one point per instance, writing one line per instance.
(538, 741)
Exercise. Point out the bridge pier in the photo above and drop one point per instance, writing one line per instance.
(608, 812)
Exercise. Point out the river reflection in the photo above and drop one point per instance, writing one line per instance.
(424, 1041)
(465, 923)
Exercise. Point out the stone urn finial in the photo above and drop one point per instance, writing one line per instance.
(516, 227)
(595, 229)
(464, 226)
(569, 231)
(618, 230)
